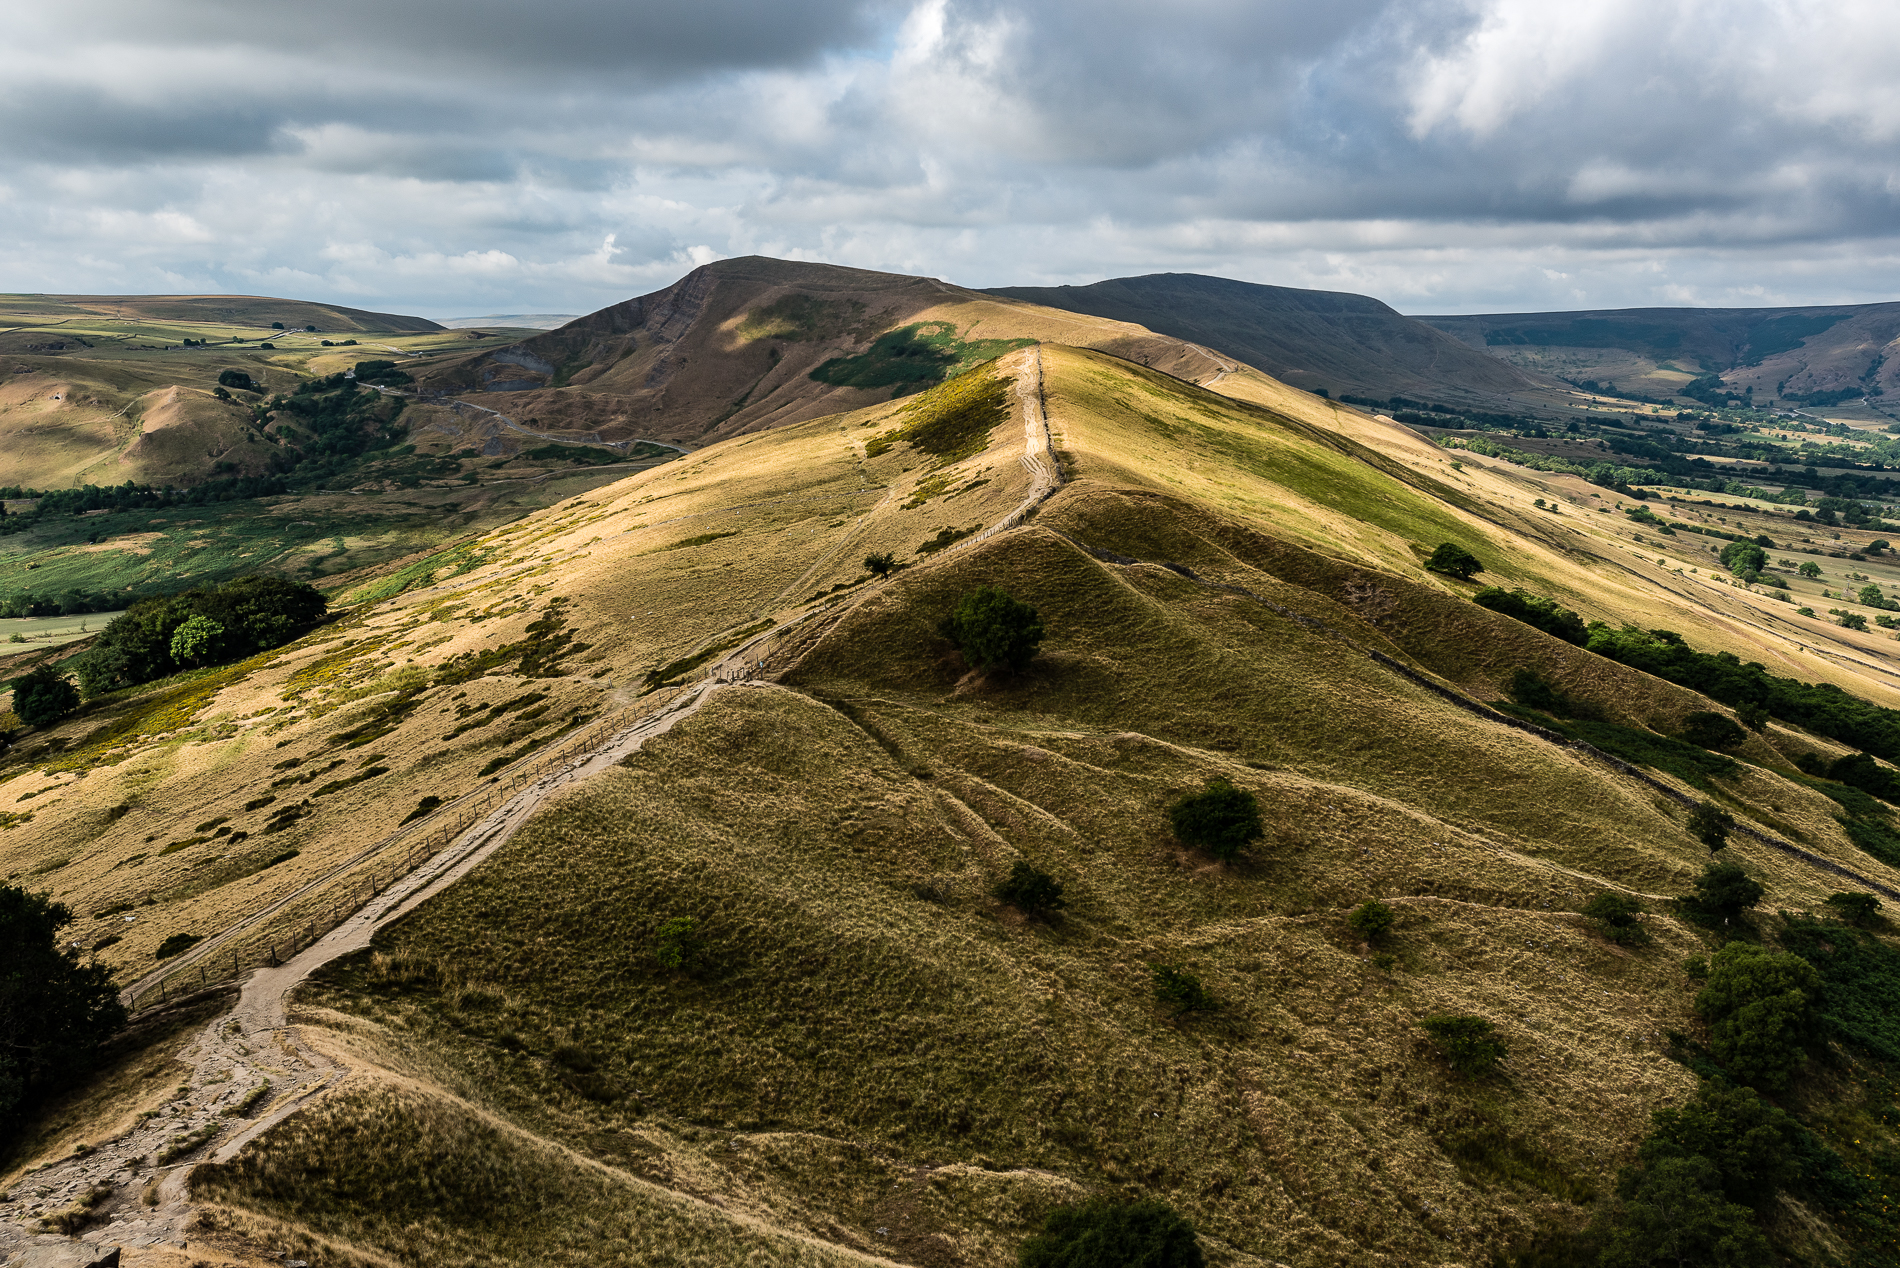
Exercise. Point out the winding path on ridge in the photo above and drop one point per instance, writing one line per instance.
(253, 1044)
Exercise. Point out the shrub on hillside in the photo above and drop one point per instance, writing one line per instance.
(237, 379)
(1722, 893)
(1220, 819)
(1181, 992)
(880, 564)
(1107, 1234)
(676, 945)
(54, 1011)
(1546, 614)
(44, 695)
(1455, 561)
(993, 630)
(1370, 919)
(1711, 730)
(1470, 1045)
(207, 625)
(1674, 1213)
(1615, 917)
(1862, 910)
(1710, 824)
(1752, 1144)
(1759, 1006)
(1030, 891)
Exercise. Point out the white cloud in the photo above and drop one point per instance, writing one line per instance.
(1442, 154)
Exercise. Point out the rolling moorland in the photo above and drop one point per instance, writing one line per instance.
(856, 1052)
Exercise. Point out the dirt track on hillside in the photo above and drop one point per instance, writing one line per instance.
(254, 1044)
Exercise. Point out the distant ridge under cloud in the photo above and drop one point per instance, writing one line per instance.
(519, 321)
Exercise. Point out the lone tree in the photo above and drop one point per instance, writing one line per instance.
(1760, 1009)
(1615, 916)
(1470, 1045)
(993, 630)
(1710, 824)
(44, 695)
(54, 1011)
(1454, 561)
(1370, 919)
(1107, 1234)
(1030, 891)
(1221, 819)
(1723, 892)
(880, 564)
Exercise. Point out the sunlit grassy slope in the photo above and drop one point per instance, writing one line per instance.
(869, 1056)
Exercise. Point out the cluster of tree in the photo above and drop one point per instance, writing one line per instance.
(55, 1012)
(133, 497)
(993, 630)
(64, 603)
(1820, 707)
(1546, 614)
(333, 421)
(1605, 475)
(202, 626)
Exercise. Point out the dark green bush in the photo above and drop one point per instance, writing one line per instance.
(1759, 1006)
(1751, 1143)
(54, 1011)
(44, 695)
(1470, 1045)
(880, 564)
(1030, 891)
(1710, 824)
(1722, 893)
(676, 945)
(1108, 1234)
(176, 944)
(993, 630)
(237, 379)
(1221, 819)
(1615, 916)
(1674, 1214)
(1371, 919)
(1711, 730)
(1856, 909)
(1181, 992)
(1455, 561)
(1546, 614)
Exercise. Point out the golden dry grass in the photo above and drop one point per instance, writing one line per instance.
(870, 1036)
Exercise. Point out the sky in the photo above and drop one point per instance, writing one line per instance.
(476, 157)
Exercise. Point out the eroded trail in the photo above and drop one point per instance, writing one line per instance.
(250, 1069)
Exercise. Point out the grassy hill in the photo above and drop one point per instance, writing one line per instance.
(749, 343)
(1348, 344)
(1825, 355)
(866, 1056)
(54, 316)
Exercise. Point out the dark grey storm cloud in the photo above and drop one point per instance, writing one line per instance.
(477, 156)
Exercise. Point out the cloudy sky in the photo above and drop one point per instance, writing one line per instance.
(464, 158)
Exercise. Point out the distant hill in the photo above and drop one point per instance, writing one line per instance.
(253, 310)
(514, 321)
(1348, 344)
(1798, 354)
(744, 344)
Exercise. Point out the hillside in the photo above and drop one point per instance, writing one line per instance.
(750, 343)
(1347, 344)
(859, 1054)
(52, 315)
(1819, 355)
